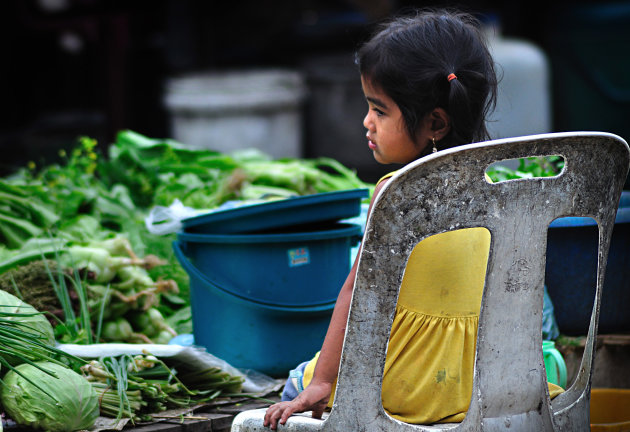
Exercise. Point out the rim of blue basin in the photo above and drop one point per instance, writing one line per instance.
(623, 216)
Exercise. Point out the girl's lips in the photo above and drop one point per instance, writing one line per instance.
(371, 144)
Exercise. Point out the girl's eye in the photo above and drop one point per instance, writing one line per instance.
(378, 112)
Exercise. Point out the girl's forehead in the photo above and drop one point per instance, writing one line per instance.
(369, 86)
(366, 81)
(375, 95)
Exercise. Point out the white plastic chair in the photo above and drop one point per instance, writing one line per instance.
(445, 191)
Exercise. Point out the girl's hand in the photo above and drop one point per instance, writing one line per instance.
(314, 398)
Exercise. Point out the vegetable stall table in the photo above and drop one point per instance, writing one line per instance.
(216, 417)
(212, 417)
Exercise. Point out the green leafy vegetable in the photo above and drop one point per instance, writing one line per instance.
(531, 167)
(64, 401)
(31, 336)
(135, 387)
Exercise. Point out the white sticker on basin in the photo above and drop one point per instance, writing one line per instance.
(298, 257)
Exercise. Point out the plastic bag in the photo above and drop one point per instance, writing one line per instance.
(549, 325)
(166, 220)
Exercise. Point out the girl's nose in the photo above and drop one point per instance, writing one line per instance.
(367, 122)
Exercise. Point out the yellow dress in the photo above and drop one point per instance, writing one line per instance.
(430, 357)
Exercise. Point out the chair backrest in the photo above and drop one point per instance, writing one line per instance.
(446, 191)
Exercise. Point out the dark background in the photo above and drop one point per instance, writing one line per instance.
(93, 67)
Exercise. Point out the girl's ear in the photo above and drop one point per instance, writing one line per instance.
(440, 123)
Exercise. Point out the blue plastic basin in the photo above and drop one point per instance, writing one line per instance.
(280, 269)
(572, 268)
(296, 211)
(252, 335)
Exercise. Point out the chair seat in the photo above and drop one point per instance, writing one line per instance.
(252, 420)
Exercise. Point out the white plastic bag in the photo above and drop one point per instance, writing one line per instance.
(166, 220)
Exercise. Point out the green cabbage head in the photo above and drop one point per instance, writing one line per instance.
(36, 324)
(68, 402)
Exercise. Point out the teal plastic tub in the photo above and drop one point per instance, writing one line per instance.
(271, 339)
(287, 269)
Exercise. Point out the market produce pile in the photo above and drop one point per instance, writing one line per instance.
(78, 265)
(88, 213)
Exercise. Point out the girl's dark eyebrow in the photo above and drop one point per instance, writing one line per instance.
(376, 101)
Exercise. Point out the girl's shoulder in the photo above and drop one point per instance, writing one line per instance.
(385, 177)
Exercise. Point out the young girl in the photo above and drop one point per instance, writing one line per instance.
(429, 82)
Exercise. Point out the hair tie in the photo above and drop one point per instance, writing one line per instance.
(451, 77)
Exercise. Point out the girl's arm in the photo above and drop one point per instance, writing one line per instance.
(316, 395)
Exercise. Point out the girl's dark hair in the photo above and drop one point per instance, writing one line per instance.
(410, 58)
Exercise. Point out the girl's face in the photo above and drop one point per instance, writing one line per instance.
(386, 131)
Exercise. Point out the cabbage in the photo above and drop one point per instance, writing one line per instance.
(65, 403)
(34, 323)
